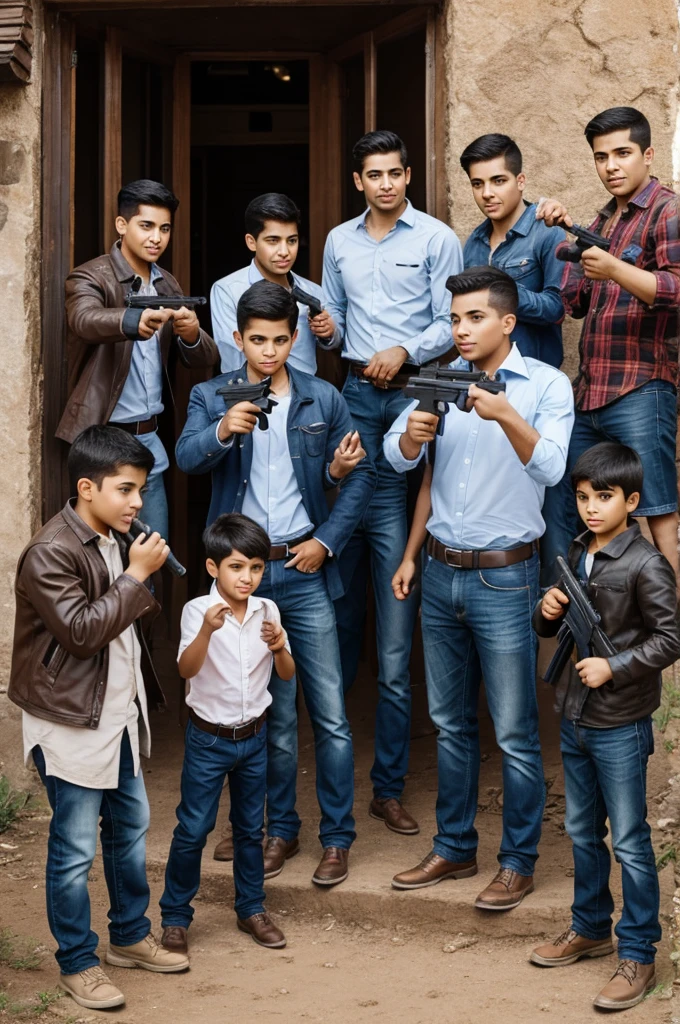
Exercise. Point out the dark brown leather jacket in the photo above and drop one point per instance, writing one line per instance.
(632, 586)
(67, 613)
(101, 335)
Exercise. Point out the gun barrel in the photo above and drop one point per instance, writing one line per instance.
(164, 301)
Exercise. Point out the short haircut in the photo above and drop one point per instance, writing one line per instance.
(234, 532)
(378, 142)
(489, 147)
(616, 119)
(503, 295)
(270, 206)
(145, 193)
(608, 465)
(265, 300)
(102, 451)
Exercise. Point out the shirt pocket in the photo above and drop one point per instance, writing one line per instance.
(404, 274)
(526, 271)
(314, 436)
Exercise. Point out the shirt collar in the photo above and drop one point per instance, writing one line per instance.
(255, 275)
(514, 363)
(642, 200)
(408, 217)
(618, 545)
(254, 603)
(522, 227)
(106, 542)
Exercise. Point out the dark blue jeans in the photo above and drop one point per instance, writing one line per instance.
(380, 540)
(208, 760)
(71, 849)
(478, 623)
(605, 776)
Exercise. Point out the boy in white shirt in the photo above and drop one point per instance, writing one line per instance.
(230, 643)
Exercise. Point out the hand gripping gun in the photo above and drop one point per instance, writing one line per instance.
(310, 301)
(243, 391)
(135, 301)
(585, 239)
(137, 527)
(436, 389)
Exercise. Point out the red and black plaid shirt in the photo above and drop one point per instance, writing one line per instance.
(625, 343)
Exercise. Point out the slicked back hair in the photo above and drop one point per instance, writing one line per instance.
(503, 295)
(615, 119)
(378, 142)
(489, 147)
(265, 300)
(145, 192)
(270, 206)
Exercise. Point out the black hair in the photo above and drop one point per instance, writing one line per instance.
(503, 295)
(234, 532)
(102, 451)
(378, 142)
(488, 147)
(608, 465)
(265, 300)
(270, 206)
(145, 193)
(616, 119)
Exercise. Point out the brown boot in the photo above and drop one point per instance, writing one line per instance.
(262, 930)
(433, 869)
(224, 849)
(394, 815)
(332, 867)
(629, 985)
(276, 852)
(175, 939)
(507, 890)
(568, 948)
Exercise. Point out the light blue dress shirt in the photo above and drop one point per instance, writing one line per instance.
(483, 497)
(392, 291)
(224, 296)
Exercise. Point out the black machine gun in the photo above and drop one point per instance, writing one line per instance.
(437, 388)
(310, 301)
(585, 239)
(136, 301)
(580, 628)
(243, 391)
(137, 527)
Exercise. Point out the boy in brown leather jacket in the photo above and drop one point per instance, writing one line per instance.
(76, 674)
(606, 736)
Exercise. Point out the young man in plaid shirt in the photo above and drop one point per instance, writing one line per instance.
(626, 387)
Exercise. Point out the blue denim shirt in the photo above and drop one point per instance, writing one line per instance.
(318, 419)
(528, 255)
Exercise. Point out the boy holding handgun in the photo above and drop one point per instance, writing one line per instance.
(607, 704)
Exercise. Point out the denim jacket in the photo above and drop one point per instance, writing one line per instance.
(528, 255)
(318, 419)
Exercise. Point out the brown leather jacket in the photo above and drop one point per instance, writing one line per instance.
(67, 612)
(101, 335)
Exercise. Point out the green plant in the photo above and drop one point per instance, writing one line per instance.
(668, 746)
(11, 803)
(670, 853)
(21, 954)
(669, 707)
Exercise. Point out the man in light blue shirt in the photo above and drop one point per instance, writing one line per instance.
(385, 282)
(479, 516)
(272, 233)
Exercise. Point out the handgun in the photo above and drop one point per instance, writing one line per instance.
(585, 239)
(310, 301)
(243, 391)
(136, 301)
(437, 388)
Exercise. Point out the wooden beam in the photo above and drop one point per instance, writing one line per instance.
(430, 125)
(403, 25)
(113, 129)
(370, 83)
(275, 55)
(81, 5)
(437, 84)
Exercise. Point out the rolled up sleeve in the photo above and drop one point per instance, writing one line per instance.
(667, 251)
(554, 421)
(391, 449)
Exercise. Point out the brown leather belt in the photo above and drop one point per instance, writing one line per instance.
(400, 380)
(140, 427)
(279, 551)
(229, 732)
(478, 559)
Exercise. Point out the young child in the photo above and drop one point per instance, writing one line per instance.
(80, 594)
(607, 738)
(230, 642)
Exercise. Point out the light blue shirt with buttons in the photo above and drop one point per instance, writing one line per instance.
(483, 497)
(392, 291)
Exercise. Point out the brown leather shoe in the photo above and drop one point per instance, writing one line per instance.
(394, 815)
(332, 867)
(433, 869)
(568, 948)
(629, 985)
(175, 939)
(507, 890)
(224, 849)
(276, 852)
(262, 930)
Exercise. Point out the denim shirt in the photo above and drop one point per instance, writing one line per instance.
(527, 254)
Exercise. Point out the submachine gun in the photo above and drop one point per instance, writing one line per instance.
(437, 388)
(243, 391)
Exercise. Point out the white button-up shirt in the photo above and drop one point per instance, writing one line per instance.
(232, 686)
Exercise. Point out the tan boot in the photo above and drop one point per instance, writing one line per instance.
(148, 955)
(628, 986)
(568, 948)
(92, 989)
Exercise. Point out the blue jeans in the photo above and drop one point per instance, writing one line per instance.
(605, 776)
(380, 538)
(155, 509)
(478, 623)
(71, 849)
(208, 760)
(308, 618)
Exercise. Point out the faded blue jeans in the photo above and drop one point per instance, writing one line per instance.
(605, 776)
(478, 623)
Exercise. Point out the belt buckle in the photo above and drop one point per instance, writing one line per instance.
(383, 386)
(452, 551)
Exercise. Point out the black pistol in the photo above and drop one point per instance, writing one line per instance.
(310, 301)
(243, 391)
(137, 527)
(135, 301)
(585, 239)
(437, 388)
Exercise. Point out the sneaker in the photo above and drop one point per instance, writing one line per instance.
(148, 955)
(92, 989)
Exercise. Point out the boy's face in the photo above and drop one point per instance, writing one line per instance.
(276, 246)
(266, 344)
(237, 576)
(497, 191)
(383, 179)
(116, 503)
(479, 330)
(146, 235)
(604, 512)
(620, 163)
